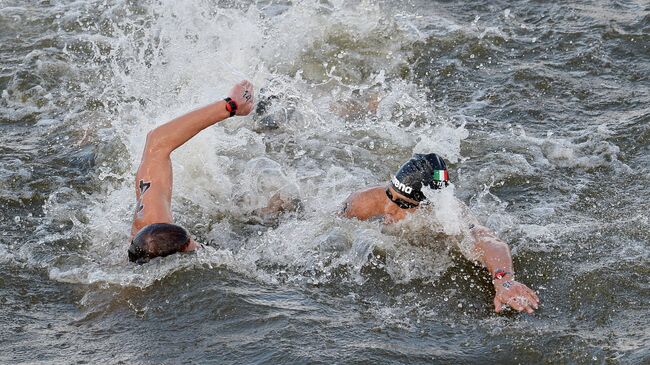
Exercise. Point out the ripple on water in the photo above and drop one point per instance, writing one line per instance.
(538, 107)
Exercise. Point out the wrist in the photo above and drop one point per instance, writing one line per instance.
(501, 276)
(231, 106)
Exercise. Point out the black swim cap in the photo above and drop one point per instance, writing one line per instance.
(421, 170)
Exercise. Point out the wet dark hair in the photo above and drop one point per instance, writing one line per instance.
(157, 240)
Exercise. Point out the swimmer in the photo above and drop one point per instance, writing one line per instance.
(153, 233)
(401, 196)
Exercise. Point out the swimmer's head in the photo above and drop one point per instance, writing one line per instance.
(158, 240)
(421, 170)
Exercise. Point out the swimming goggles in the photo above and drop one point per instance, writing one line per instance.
(400, 202)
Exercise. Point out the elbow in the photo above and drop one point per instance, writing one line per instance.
(153, 137)
(155, 143)
(347, 209)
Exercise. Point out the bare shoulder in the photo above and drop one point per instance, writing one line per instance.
(363, 204)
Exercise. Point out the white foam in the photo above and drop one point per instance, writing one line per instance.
(586, 150)
(185, 55)
(5, 255)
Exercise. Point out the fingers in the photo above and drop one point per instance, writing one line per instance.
(526, 305)
(516, 295)
(521, 303)
(517, 304)
(519, 300)
(497, 304)
(247, 85)
(529, 295)
(248, 91)
(534, 295)
(243, 94)
(532, 299)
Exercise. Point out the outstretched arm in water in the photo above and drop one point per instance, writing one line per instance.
(153, 182)
(494, 254)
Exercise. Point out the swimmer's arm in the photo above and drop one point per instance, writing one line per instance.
(173, 134)
(279, 203)
(348, 210)
(494, 255)
(153, 184)
(488, 249)
(153, 181)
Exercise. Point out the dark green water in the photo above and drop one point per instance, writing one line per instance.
(541, 108)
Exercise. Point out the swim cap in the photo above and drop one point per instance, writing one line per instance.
(421, 170)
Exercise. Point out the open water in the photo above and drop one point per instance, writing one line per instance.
(542, 109)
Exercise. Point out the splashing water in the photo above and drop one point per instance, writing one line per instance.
(539, 110)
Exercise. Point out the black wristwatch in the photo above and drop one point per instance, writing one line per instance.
(231, 106)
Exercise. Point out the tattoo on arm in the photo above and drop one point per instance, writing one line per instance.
(144, 186)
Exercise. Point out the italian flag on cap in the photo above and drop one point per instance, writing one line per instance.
(440, 175)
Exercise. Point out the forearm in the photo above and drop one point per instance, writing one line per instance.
(493, 253)
(173, 134)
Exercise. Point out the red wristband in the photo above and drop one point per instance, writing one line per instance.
(231, 106)
(500, 274)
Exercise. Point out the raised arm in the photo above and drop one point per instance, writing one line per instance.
(494, 254)
(153, 183)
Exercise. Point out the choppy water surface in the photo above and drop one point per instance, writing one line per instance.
(541, 109)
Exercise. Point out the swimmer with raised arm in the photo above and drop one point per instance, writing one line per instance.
(153, 233)
(403, 195)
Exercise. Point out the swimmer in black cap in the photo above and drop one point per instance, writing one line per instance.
(403, 195)
(153, 233)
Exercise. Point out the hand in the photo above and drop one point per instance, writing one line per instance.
(242, 94)
(514, 294)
